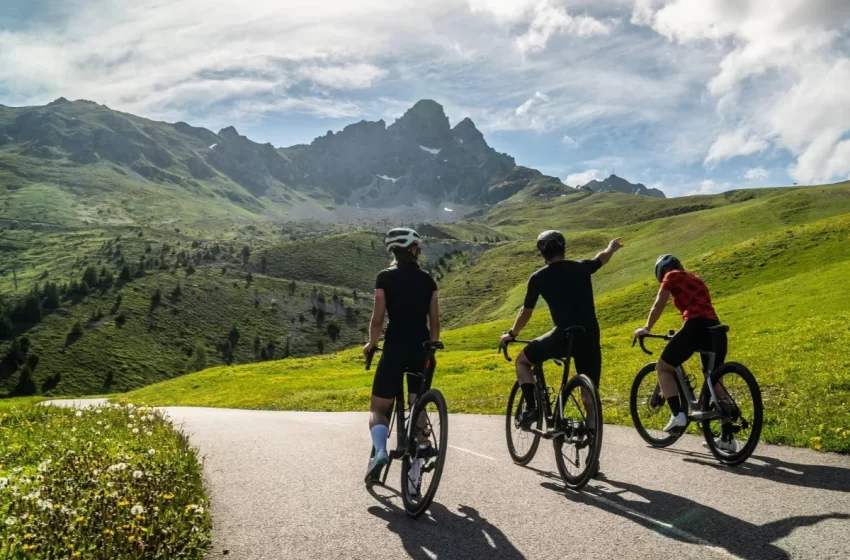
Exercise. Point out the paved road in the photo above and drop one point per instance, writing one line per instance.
(288, 485)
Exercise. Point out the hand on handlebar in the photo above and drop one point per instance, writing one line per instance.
(640, 333)
(505, 339)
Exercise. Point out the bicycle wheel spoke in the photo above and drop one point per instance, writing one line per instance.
(578, 447)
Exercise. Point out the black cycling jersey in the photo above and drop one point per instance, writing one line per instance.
(567, 289)
(408, 291)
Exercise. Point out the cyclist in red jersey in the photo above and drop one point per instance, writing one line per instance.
(691, 297)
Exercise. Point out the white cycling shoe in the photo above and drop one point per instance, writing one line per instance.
(677, 422)
(730, 446)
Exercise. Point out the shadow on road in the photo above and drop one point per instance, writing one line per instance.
(823, 477)
(443, 534)
(689, 521)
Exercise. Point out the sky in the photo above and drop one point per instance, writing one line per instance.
(690, 96)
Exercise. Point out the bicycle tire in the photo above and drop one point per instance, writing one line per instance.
(416, 507)
(744, 452)
(636, 404)
(578, 480)
(510, 427)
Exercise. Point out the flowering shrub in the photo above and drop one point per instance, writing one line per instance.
(113, 482)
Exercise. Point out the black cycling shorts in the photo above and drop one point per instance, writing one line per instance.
(694, 336)
(396, 360)
(587, 353)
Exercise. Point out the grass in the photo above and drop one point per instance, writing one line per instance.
(108, 482)
(781, 286)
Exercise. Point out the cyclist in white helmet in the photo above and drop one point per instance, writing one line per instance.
(408, 295)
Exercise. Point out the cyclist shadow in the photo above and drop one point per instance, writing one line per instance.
(823, 477)
(691, 522)
(442, 534)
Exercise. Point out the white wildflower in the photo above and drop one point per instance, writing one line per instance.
(138, 474)
(131, 406)
(44, 504)
(149, 433)
(109, 484)
(151, 451)
(137, 510)
(67, 511)
(118, 467)
(129, 425)
(199, 511)
(98, 411)
(135, 430)
(42, 467)
(100, 422)
(96, 472)
(79, 413)
(34, 495)
(17, 469)
(74, 429)
(10, 521)
(4, 482)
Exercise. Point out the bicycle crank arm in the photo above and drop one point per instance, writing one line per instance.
(703, 416)
(549, 434)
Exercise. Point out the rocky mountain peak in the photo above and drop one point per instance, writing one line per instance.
(425, 123)
(617, 184)
(229, 133)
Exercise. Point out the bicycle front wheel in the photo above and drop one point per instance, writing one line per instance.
(522, 443)
(649, 409)
(733, 437)
(422, 465)
(577, 449)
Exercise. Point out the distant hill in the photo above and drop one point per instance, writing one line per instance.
(620, 185)
(120, 168)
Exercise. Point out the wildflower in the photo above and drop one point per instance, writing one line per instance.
(131, 538)
(67, 511)
(98, 411)
(130, 425)
(28, 547)
(151, 451)
(149, 433)
(42, 467)
(10, 521)
(4, 482)
(110, 484)
(123, 503)
(100, 422)
(137, 509)
(34, 495)
(74, 429)
(135, 430)
(108, 531)
(199, 510)
(118, 467)
(80, 519)
(168, 496)
(138, 474)
(79, 413)
(44, 505)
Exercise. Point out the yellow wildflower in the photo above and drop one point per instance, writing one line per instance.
(131, 538)
(28, 547)
(80, 519)
(123, 503)
(108, 531)
(168, 496)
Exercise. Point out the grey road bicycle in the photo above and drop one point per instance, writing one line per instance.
(728, 408)
(422, 438)
(570, 417)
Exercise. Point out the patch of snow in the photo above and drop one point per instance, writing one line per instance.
(213, 146)
(445, 161)
(433, 151)
(460, 140)
(448, 209)
(391, 179)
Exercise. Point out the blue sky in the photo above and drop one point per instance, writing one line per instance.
(691, 96)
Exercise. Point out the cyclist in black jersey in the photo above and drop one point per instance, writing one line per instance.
(408, 295)
(566, 287)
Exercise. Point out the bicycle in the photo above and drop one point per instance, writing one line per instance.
(417, 445)
(577, 441)
(720, 404)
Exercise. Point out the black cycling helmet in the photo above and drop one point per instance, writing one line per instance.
(666, 263)
(551, 243)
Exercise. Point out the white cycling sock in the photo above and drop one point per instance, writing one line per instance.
(380, 432)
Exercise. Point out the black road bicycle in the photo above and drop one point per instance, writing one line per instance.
(729, 407)
(572, 418)
(422, 436)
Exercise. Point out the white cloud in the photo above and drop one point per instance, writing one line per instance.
(737, 143)
(756, 173)
(549, 20)
(787, 59)
(579, 179)
(709, 186)
(568, 141)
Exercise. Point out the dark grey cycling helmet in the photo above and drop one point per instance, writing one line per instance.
(551, 242)
(665, 263)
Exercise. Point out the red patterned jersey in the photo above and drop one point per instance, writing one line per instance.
(690, 295)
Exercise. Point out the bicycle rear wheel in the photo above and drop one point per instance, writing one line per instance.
(522, 444)
(422, 466)
(742, 413)
(649, 409)
(577, 450)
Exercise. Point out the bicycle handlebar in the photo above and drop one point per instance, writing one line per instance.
(503, 348)
(666, 337)
(430, 345)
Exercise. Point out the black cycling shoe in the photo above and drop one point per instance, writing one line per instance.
(527, 418)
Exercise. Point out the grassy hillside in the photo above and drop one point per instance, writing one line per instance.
(777, 262)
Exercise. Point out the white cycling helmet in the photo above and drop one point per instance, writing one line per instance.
(402, 237)
(666, 262)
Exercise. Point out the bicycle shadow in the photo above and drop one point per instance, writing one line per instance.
(822, 477)
(688, 521)
(444, 534)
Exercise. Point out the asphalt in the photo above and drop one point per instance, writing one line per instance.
(289, 485)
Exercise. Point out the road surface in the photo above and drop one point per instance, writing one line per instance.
(289, 485)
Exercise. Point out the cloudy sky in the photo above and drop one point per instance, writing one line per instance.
(686, 95)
